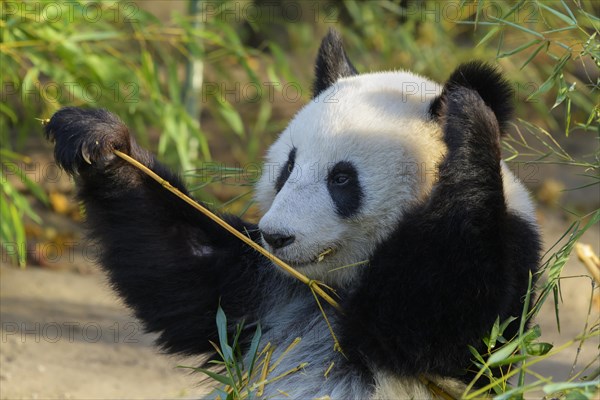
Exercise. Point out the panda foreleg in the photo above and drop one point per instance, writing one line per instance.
(439, 282)
(171, 264)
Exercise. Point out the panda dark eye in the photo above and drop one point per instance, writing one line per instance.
(340, 179)
(344, 187)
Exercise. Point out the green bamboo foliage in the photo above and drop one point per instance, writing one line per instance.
(117, 56)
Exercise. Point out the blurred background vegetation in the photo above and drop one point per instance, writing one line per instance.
(207, 85)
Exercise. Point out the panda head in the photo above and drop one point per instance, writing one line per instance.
(338, 179)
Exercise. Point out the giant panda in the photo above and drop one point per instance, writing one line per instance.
(399, 180)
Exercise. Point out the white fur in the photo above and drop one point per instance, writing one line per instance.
(294, 315)
(391, 387)
(517, 197)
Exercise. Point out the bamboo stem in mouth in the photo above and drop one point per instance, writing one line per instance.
(315, 286)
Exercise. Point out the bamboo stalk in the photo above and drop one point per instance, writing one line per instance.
(264, 373)
(312, 284)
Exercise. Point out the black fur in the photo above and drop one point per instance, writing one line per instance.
(332, 63)
(152, 241)
(346, 196)
(286, 171)
(454, 264)
(483, 78)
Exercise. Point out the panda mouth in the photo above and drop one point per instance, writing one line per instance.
(328, 252)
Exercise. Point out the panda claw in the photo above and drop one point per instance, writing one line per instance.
(86, 156)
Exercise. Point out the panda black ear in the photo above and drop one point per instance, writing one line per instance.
(332, 63)
(488, 82)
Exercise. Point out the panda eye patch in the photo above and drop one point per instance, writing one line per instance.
(344, 188)
(286, 171)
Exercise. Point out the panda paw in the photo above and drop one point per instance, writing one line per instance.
(86, 138)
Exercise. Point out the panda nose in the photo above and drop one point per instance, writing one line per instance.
(278, 240)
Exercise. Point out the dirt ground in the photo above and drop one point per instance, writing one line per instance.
(66, 335)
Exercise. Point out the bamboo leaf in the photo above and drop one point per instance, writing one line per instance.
(506, 323)
(231, 116)
(99, 35)
(519, 27)
(538, 349)
(489, 36)
(19, 232)
(552, 79)
(566, 28)
(557, 387)
(502, 354)
(535, 53)
(558, 14)
(520, 48)
(253, 351)
(9, 112)
(491, 340)
(222, 330)
(562, 91)
(225, 380)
